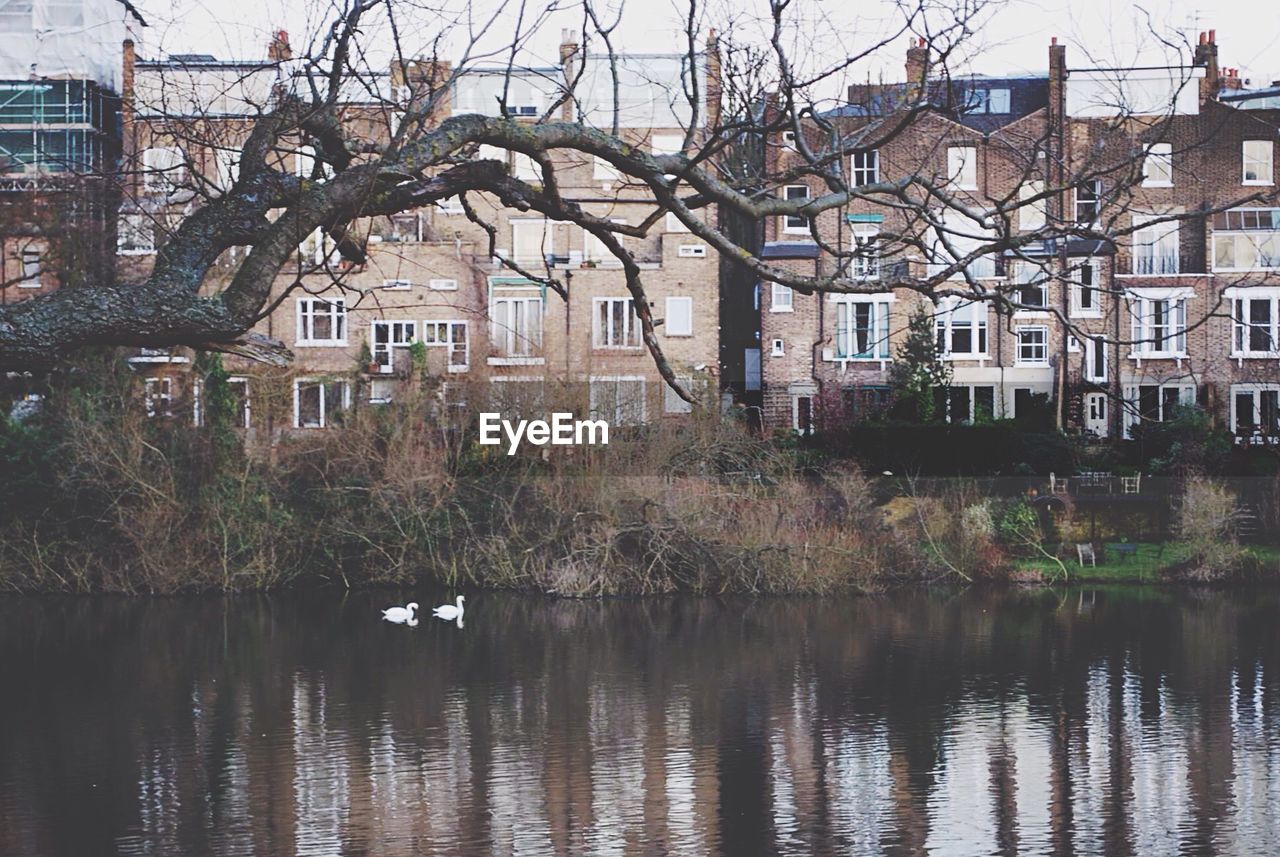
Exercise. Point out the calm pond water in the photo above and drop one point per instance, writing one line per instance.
(984, 722)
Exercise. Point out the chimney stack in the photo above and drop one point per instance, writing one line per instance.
(279, 50)
(918, 63)
(1206, 56)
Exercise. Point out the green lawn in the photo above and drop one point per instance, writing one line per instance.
(1146, 566)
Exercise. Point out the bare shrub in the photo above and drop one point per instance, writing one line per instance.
(1206, 522)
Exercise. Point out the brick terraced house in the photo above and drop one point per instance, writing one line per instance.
(433, 299)
(1109, 332)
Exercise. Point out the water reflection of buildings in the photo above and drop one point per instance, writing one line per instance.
(1027, 735)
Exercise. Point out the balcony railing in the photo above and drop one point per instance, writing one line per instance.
(1160, 264)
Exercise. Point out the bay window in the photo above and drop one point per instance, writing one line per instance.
(1246, 239)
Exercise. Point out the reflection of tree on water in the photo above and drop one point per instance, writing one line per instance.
(1015, 722)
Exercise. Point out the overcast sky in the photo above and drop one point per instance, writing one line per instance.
(1013, 36)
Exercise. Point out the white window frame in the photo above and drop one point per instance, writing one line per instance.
(879, 311)
(227, 164)
(1032, 215)
(962, 167)
(546, 244)
(1095, 204)
(397, 285)
(672, 223)
(1157, 165)
(1079, 287)
(1262, 162)
(1031, 275)
(442, 284)
(604, 334)
(678, 307)
(795, 225)
(163, 173)
(865, 265)
(778, 348)
(1158, 313)
(511, 344)
(526, 168)
(1257, 238)
(1133, 402)
(1239, 302)
(869, 171)
(157, 396)
(618, 417)
(952, 314)
(401, 334)
(246, 412)
(666, 144)
(781, 298)
(603, 171)
(1159, 243)
(29, 261)
(138, 226)
(1024, 352)
(306, 318)
(673, 404)
(971, 416)
(324, 383)
(1255, 391)
(594, 250)
(431, 329)
(1095, 348)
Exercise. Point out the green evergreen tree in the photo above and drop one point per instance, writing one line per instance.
(918, 369)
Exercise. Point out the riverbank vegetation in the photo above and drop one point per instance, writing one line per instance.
(99, 497)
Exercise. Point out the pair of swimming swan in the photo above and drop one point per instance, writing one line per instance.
(405, 615)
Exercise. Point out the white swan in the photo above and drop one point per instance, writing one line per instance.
(401, 615)
(448, 611)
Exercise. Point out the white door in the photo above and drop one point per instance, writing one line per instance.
(1095, 413)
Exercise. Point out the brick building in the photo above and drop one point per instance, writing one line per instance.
(60, 85)
(432, 301)
(1115, 315)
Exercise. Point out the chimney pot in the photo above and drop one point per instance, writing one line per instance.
(1213, 37)
(920, 43)
(1053, 40)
